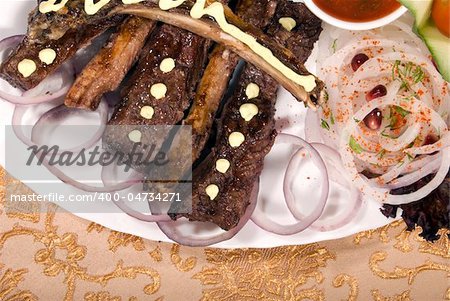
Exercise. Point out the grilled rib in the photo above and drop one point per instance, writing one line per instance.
(189, 52)
(246, 160)
(106, 70)
(72, 17)
(65, 48)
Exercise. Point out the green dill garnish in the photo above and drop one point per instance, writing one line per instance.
(332, 118)
(393, 119)
(355, 146)
(333, 46)
(325, 96)
(410, 157)
(356, 120)
(402, 111)
(407, 73)
(381, 153)
(394, 68)
(384, 134)
(392, 122)
(324, 124)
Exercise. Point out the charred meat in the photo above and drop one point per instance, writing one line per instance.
(167, 93)
(65, 48)
(107, 69)
(223, 182)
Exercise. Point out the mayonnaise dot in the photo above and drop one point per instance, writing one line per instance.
(287, 23)
(47, 56)
(135, 136)
(252, 90)
(147, 112)
(167, 65)
(222, 165)
(236, 139)
(248, 111)
(212, 191)
(26, 67)
(158, 91)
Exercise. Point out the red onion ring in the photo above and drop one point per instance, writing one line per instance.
(40, 93)
(9, 43)
(19, 112)
(354, 200)
(260, 219)
(109, 175)
(61, 112)
(171, 231)
(88, 188)
(141, 216)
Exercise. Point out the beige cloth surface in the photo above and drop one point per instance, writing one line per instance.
(49, 254)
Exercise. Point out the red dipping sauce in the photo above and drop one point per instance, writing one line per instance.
(358, 10)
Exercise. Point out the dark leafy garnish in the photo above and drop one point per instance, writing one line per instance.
(432, 213)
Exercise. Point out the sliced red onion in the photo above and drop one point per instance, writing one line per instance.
(59, 113)
(17, 126)
(88, 188)
(8, 44)
(110, 177)
(141, 216)
(264, 222)
(354, 201)
(415, 176)
(171, 231)
(53, 87)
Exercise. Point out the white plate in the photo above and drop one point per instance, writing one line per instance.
(290, 117)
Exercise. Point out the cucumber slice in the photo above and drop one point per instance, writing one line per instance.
(439, 46)
(421, 9)
(437, 43)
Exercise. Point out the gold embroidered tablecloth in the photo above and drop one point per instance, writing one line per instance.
(50, 254)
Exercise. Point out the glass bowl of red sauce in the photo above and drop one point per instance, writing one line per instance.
(356, 14)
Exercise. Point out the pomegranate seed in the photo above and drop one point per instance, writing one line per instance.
(430, 139)
(358, 60)
(376, 92)
(374, 119)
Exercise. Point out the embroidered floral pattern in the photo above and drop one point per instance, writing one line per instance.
(53, 243)
(9, 282)
(278, 274)
(86, 261)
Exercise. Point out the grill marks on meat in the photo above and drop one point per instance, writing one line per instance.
(210, 91)
(236, 183)
(300, 41)
(246, 160)
(54, 25)
(189, 52)
(217, 75)
(65, 48)
(107, 69)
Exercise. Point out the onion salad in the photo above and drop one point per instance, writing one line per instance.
(386, 111)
